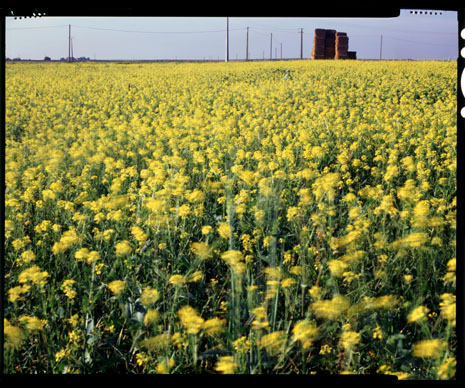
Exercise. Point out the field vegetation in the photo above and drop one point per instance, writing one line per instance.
(288, 217)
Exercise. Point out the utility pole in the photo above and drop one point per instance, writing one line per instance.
(226, 58)
(381, 47)
(281, 51)
(69, 43)
(247, 46)
(271, 46)
(301, 43)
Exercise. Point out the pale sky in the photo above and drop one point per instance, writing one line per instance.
(408, 36)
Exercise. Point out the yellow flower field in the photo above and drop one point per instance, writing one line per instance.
(282, 217)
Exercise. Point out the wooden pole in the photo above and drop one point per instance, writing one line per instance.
(247, 46)
(69, 43)
(226, 58)
(381, 48)
(301, 43)
(271, 46)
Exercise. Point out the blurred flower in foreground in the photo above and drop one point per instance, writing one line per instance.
(429, 348)
(117, 286)
(226, 365)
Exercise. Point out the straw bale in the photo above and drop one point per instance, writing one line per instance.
(329, 42)
(330, 34)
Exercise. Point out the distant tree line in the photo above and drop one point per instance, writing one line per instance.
(46, 58)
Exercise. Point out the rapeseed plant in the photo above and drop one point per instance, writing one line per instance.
(241, 216)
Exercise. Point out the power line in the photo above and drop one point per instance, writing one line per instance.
(33, 28)
(419, 42)
(158, 32)
(129, 31)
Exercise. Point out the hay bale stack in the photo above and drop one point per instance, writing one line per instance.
(342, 46)
(352, 54)
(320, 33)
(330, 44)
(318, 51)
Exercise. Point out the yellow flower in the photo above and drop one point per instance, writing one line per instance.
(16, 293)
(190, 319)
(139, 234)
(292, 213)
(27, 256)
(67, 240)
(242, 345)
(226, 365)
(446, 370)
(123, 248)
(81, 254)
(34, 275)
(413, 240)
(157, 343)
(195, 196)
(177, 280)
(151, 317)
(196, 276)
(408, 278)
(235, 259)
(165, 366)
(287, 282)
(379, 302)
(224, 230)
(260, 321)
(67, 288)
(117, 287)
(377, 333)
(315, 292)
(32, 324)
(305, 332)
(247, 176)
(325, 186)
(201, 250)
(207, 229)
(13, 335)
(149, 296)
(417, 314)
(448, 307)
(337, 267)
(93, 257)
(274, 342)
(184, 210)
(330, 309)
(214, 326)
(429, 348)
(142, 358)
(349, 339)
(62, 354)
